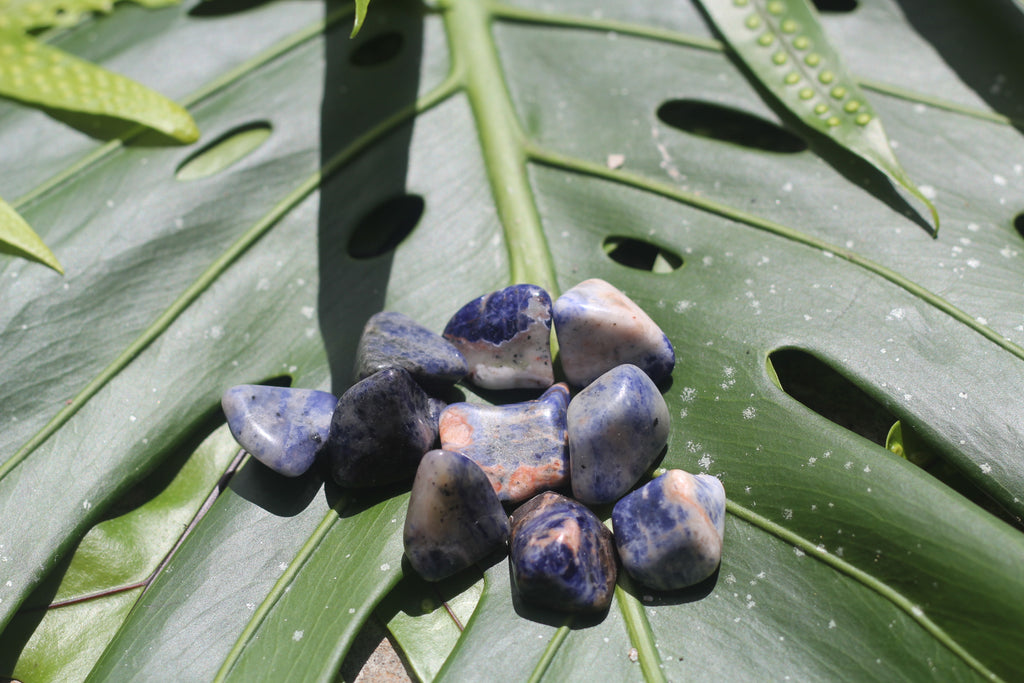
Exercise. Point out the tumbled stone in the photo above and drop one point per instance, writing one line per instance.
(454, 517)
(380, 429)
(281, 427)
(522, 447)
(598, 327)
(562, 555)
(669, 531)
(506, 338)
(391, 339)
(617, 427)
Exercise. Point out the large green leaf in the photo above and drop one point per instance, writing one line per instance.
(535, 142)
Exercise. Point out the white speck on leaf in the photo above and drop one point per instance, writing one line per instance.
(297, 636)
(985, 468)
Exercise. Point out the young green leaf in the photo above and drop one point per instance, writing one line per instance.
(18, 237)
(34, 72)
(785, 47)
(361, 6)
(25, 15)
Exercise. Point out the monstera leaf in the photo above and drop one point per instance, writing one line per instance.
(454, 148)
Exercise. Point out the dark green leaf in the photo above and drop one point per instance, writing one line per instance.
(842, 560)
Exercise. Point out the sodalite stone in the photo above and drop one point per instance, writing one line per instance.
(281, 427)
(562, 555)
(454, 517)
(522, 447)
(506, 338)
(380, 430)
(392, 339)
(598, 327)
(617, 427)
(669, 531)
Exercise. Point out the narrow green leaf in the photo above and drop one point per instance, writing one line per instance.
(17, 236)
(784, 45)
(361, 6)
(37, 73)
(25, 15)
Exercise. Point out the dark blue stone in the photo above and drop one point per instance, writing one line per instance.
(454, 518)
(562, 555)
(505, 337)
(392, 339)
(281, 427)
(669, 532)
(381, 428)
(617, 427)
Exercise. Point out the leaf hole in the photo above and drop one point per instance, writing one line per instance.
(835, 6)
(385, 226)
(717, 122)
(828, 393)
(379, 49)
(1018, 223)
(228, 149)
(634, 253)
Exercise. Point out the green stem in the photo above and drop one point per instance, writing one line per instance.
(639, 629)
(502, 141)
(549, 653)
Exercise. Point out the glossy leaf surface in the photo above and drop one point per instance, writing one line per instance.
(841, 559)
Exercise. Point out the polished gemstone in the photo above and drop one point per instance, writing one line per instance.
(562, 555)
(598, 327)
(381, 428)
(281, 427)
(454, 517)
(617, 427)
(669, 531)
(506, 338)
(521, 446)
(392, 339)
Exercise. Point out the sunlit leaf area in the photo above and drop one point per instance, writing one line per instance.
(847, 370)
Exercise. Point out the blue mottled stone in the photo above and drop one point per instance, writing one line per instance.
(380, 429)
(392, 339)
(454, 517)
(281, 427)
(598, 327)
(617, 427)
(522, 447)
(506, 338)
(562, 556)
(669, 531)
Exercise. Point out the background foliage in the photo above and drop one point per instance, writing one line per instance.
(449, 150)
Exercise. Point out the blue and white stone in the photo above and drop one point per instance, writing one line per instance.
(562, 556)
(617, 427)
(506, 338)
(281, 427)
(380, 430)
(454, 518)
(522, 447)
(392, 339)
(598, 327)
(669, 532)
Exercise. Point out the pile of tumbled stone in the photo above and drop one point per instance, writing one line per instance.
(598, 443)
